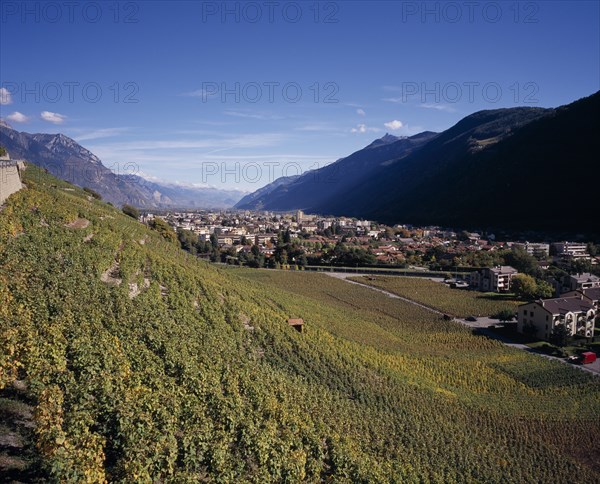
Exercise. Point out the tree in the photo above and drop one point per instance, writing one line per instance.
(524, 286)
(93, 193)
(544, 289)
(131, 211)
(2, 151)
(560, 335)
(523, 262)
(188, 240)
(164, 229)
(506, 315)
(527, 287)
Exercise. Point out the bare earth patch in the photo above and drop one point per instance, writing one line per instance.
(79, 223)
(110, 275)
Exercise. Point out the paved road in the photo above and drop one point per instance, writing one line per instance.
(482, 324)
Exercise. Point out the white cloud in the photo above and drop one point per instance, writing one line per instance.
(360, 112)
(17, 117)
(5, 97)
(53, 118)
(394, 125)
(363, 128)
(100, 133)
(203, 93)
(439, 107)
(257, 115)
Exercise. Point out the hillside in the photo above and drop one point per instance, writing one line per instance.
(315, 188)
(123, 358)
(67, 160)
(499, 169)
(519, 182)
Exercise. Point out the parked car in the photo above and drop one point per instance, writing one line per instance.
(471, 318)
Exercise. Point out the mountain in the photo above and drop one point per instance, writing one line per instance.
(254, 200)
(68, 160)
(517, 168)
(315, 187)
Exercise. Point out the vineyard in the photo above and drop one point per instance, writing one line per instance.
(456, 302)
(144, 364)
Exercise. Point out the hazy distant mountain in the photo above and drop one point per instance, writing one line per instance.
(517, 168)
(316, 187)
(255, 199)
(66, 159)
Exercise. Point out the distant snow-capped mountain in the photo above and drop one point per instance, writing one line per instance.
(67, 159)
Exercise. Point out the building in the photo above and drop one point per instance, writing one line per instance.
(538, 250)
(263, 239)
(580, 281)
(539, 318)
(592, 295)
(567, 252)
(495, 279)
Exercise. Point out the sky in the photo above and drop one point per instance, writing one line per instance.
(236, 94)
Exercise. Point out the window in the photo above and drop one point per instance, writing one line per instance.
(546, 317)
(531, 313)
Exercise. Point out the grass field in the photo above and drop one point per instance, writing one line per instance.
(456, 302)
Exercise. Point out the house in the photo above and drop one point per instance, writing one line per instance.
(592, 295)
(495, 279)
(296, 323)
(539, 318)
(580, 281)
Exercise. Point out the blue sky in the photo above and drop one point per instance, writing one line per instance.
(234, 94)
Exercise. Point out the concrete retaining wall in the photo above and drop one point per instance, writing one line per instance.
(10, 179)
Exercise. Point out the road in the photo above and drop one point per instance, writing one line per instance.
(482, 324)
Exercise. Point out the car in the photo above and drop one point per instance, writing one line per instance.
(471, 318)
(576, 360)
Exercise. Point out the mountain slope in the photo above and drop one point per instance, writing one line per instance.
(518, 168)
(66, 159)
(316, 187)
(521, 181)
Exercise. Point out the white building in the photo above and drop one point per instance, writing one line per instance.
(580, 281)
(539, 318)
(495, 279)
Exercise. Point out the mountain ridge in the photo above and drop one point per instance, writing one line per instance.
(467, 175)
(65, 158)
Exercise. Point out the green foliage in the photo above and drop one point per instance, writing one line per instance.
(188, 240)
(456, 302)
(2, 151)
(163, 228)
(148, 365)
(525, 286)
(505, 314)
(93, 193)
(523, 262)
(560, 335)
(131, 211)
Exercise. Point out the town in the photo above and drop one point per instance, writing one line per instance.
(559, 281)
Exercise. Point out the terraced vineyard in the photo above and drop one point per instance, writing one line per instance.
(141, 364)
(456, 302)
